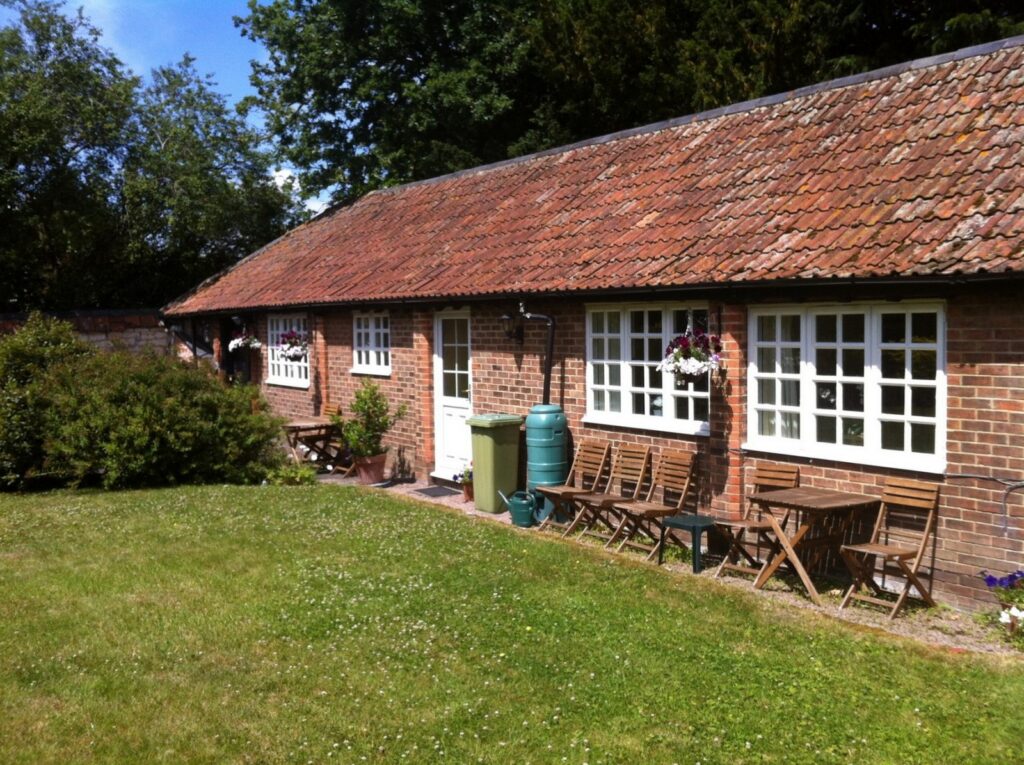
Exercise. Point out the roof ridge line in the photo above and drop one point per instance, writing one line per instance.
(708, 114)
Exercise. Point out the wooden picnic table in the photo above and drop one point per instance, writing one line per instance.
(314, 439)
(823, 517)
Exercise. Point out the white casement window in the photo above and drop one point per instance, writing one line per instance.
(624, 387)
(371, 343)
(289, 368)
(854, 383)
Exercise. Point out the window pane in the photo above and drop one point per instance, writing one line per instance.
(892, 399)
(853, 328)
(892, 436)
(765, 391)
(766, 328)
(679, 320)
(702, 383)
(826, 429)
(655, 405)
(790, 392)
(597, 348)
(599, 400)
(682, 408)
(766, 359)
(449, 383)
(613, 322)
(655, 377)
(636, 348)
(853, 362)
(700, 409)
(638, 403)
(826, 395)
(853, 397)
(655, 349)
(597, 322)
(614, 401)
(700, 320)
(462, 357)
(924, 328)
(614, 375)
(654, 321)
(853, 431)
(614, 348)
(922, 402)
(894, 328)
(638, 376)
(599, 374)
(825, 329)
(893, 364)
(636, 321)
(826, 362)
(790, 329)
(790, 360)
(766, 423)
(448, 357)
(463, 383)
(922, 366)
(922, 438)
(790, 425)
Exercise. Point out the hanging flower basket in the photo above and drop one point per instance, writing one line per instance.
(244, 341)
(690, 357)
(294, 346)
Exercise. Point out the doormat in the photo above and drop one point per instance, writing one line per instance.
(436, 491)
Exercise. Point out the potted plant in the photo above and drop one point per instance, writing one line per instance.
(465, 480)
(1009, 591)
(365, 431)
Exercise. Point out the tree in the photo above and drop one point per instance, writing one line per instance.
(113, 194)
(364, 95)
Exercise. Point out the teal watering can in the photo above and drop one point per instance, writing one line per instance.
(521, 506)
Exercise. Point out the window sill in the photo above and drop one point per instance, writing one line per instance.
(922, 463)
(302, 384)
(678, 427)
(371, 371)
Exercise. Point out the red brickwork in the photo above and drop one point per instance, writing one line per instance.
(985, 367)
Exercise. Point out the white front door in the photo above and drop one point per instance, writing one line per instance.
(452, 402)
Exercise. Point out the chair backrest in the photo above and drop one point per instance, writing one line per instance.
(907, 515)
(673, 476)
(768, 477)
(590, 465)
(629, 470)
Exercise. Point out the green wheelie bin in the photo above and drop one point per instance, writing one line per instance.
(495, 458)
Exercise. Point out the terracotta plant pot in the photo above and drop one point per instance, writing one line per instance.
(371, 469)
(467, 492)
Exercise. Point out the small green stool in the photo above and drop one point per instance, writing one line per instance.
(695, 524)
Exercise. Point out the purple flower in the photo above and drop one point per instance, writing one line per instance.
(990, 580)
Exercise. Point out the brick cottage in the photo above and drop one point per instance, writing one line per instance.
(859, 246)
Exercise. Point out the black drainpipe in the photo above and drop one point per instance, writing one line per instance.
(549, 357)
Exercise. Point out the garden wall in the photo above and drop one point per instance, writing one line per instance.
(133, 330)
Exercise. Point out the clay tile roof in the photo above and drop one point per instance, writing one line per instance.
(915, 170)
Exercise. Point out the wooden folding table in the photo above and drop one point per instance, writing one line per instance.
(823, 517)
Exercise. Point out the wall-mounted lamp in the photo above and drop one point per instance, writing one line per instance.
(513, 326)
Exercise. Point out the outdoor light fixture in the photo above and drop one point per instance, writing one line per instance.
(513, 326)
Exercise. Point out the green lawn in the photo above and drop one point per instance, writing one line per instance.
(324, 625)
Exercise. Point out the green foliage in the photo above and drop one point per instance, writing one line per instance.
(290, 474)
(112, 193)
(364, 95)
(373, 419)
(135, 420)
(26, 356)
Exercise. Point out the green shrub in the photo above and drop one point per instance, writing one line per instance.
(150, 420)
(365, 432)
(290, 474)
(26, 356)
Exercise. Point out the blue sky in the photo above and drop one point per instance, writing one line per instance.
(148, 33)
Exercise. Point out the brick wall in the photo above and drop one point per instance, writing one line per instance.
(985, 368)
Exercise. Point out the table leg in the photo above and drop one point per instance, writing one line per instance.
(788, 547)
(696, 535)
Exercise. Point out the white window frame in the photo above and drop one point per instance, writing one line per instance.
(282, 371)
(666, 421)
(371, 343)
(871, 453)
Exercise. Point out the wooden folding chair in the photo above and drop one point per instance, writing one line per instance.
(905, 523)
(587, 473)
(673, 480)
(735, 531)
(595, 514)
